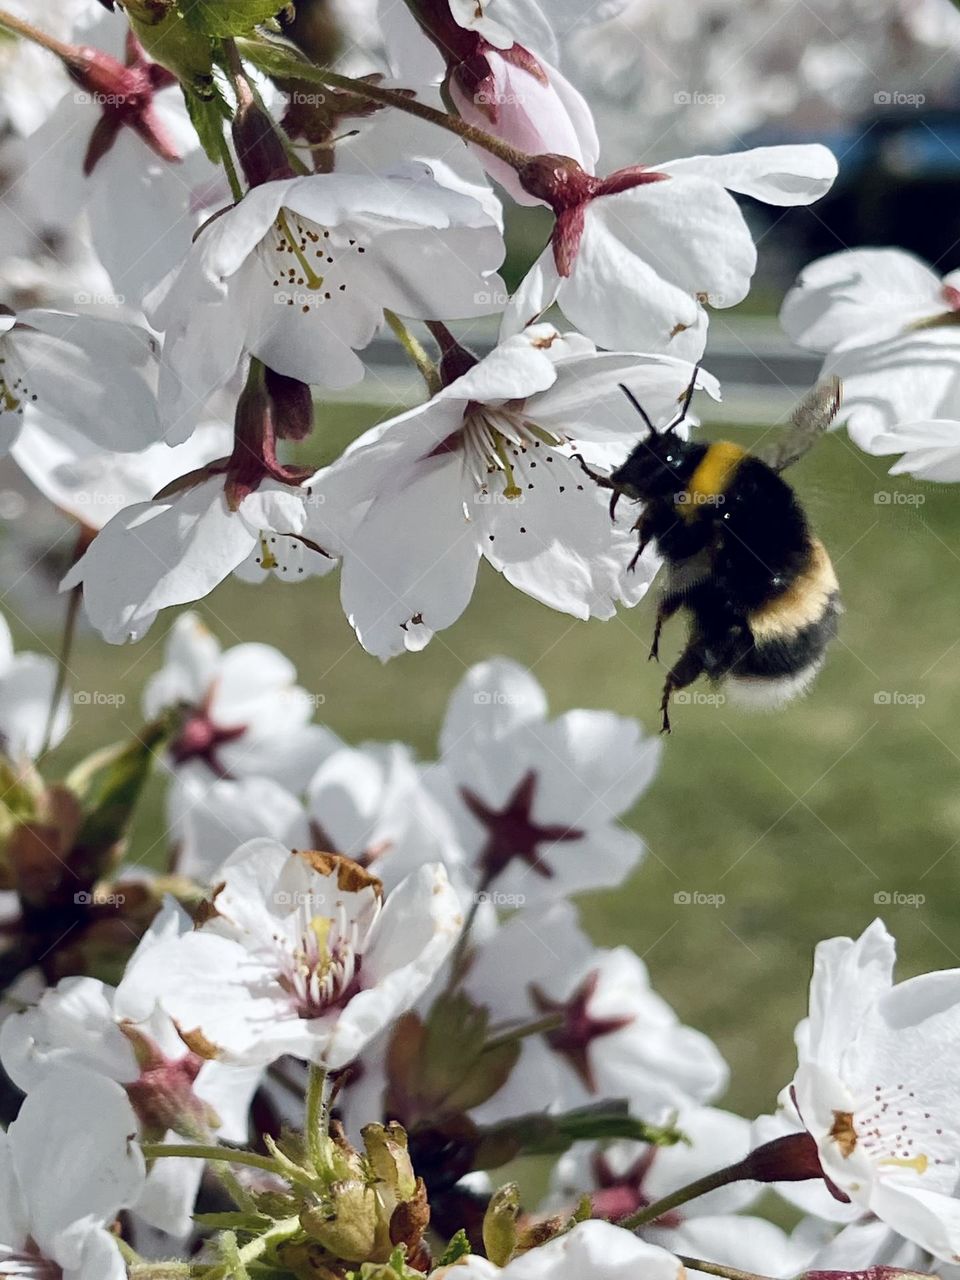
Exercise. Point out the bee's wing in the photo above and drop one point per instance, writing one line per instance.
(809, 420)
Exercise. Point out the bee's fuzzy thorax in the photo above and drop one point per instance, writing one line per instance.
(714, 474)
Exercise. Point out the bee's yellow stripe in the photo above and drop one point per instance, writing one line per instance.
(804, 602)
(712, 477)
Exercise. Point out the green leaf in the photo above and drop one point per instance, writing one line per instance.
(207, 115)
(175, 44)
(228, 17)
(278, 58)
(459, 1247)
(109, 785)
(550, 1135)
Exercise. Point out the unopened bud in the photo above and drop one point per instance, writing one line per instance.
(259, 149)
(386, 1147)
(163, 1095)
(292, 406)
(348, 1224)
(500, 1224)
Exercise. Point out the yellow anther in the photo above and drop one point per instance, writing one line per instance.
(919, 1163)
(310, 277)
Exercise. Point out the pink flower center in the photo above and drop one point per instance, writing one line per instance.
(124, 93)
(200, 738)
(579, 1028)
(512, 832)
(322, 972)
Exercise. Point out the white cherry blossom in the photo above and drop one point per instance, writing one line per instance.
(209, 818)
(616, 1037)
(65, 1174)
(671, 234)
(299, 272)
(536, 802)
(243, 712)
(485, 469)
(302, 954)
(178, 547)
(890, 329)
(931, 450)
(123, 152)
(84, 1023)
(876, 1090)
(623, 1177)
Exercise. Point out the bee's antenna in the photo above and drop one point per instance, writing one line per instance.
(685, 403)
(638, 406)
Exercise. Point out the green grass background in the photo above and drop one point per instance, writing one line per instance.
(798, 818)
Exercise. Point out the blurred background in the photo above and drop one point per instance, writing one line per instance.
(801, 824)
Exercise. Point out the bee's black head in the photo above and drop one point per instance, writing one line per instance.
(658, 467)
(662, 462)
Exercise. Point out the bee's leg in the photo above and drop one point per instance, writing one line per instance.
(644, 530)
(603, 481)
(688, 667)
(667, 606)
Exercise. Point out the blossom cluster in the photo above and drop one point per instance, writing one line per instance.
(402, 932)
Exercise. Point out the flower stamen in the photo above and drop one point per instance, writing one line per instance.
(296, 244)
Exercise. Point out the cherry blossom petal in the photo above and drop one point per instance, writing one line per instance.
(113, 1169)
(858, 297)
(493, 698)
(600, 297)
(784, 175)
(411, 565)
(91, 373)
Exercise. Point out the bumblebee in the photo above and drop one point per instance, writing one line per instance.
(740, 556)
